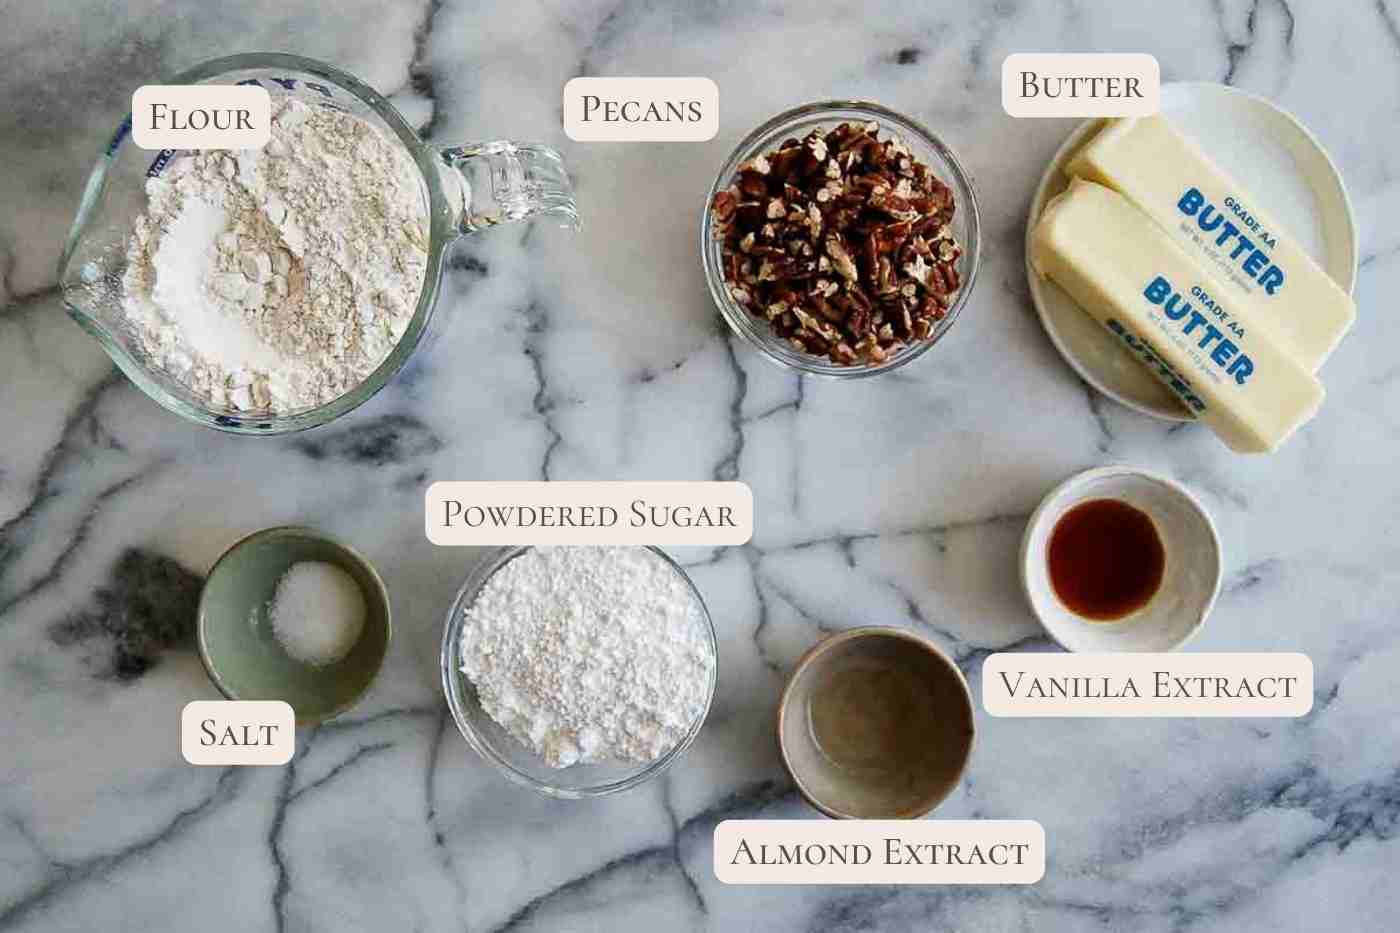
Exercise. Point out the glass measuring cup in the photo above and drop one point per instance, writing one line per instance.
(465, 188)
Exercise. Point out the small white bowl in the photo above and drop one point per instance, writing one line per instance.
(1190, 580)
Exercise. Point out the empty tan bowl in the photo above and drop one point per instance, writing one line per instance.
(875, 723)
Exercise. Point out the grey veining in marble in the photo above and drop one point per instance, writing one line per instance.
(899, 501)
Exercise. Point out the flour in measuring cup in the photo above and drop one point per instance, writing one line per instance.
(274, 280)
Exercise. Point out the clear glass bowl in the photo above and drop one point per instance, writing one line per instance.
(797, 122)
(503, 750)
(464, 189)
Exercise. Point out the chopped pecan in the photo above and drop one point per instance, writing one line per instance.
(841, 258)
(842, 241)
(725, 203)
(752, 185)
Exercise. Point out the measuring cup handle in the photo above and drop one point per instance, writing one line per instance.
(505, 181)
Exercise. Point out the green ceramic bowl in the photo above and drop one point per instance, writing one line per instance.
(244, 658)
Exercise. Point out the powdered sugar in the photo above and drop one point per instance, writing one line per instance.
(589, 653)
(275, 280)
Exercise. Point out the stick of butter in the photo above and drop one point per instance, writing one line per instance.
(1224, 228)
(1128, 273)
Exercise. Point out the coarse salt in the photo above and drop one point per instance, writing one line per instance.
(317, 612)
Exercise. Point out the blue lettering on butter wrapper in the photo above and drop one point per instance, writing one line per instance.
(1160, 368)
(1223, 351)
(1253, 261)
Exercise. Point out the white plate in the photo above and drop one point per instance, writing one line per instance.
(1249, 138)
(1190, 580)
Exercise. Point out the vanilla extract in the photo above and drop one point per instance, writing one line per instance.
(1106, 560)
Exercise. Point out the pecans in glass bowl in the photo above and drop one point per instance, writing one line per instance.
(841, 239)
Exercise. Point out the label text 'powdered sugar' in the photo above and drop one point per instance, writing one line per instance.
(659, 513)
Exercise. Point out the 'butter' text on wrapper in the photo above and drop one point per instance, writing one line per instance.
(1253, 260)
(1220, 349)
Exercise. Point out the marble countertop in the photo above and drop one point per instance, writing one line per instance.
(898, 501)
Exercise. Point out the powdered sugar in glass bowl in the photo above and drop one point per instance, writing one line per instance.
(516, 760)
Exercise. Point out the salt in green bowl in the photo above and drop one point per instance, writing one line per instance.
(236, 642)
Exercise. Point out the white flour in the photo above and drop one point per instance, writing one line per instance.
(589, 653)
(275, 280)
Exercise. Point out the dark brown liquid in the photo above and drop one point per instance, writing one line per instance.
(1106, 559)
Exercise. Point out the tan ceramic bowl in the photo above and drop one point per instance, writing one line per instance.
(875, 723)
